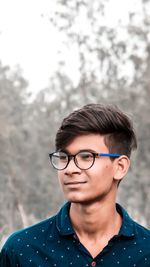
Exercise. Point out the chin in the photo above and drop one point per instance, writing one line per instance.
(74, 198)
(80, 200)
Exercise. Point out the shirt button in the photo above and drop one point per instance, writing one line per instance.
(93, 263)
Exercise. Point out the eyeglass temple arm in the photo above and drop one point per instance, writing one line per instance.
(109, 154)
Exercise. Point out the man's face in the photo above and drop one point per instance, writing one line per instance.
(94, 184)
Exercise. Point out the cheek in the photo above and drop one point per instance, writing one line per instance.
(99, 169)
(108, 169)
(101, 173)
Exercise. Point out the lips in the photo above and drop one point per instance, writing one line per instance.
(74, 182)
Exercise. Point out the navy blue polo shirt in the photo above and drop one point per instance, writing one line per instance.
(53, 242)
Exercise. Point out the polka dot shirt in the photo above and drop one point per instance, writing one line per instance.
(53, 242)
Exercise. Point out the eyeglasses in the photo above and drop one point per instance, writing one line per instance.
(84, 160)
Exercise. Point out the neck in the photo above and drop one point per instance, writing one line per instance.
(95, 220)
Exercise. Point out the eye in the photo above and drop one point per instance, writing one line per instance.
(85, 156)
(62, 156)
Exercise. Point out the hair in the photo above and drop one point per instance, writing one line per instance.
(106, 120)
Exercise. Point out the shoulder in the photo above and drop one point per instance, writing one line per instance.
(30, 234)
(141, 239)
(25, 241)
(142, 232)
(131, 228)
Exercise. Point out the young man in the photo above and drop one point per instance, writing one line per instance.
(93, 147)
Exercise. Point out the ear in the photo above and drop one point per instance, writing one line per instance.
(122, 165)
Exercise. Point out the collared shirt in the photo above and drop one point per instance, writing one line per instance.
(53, 242)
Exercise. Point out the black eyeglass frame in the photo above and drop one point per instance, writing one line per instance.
(69, 157)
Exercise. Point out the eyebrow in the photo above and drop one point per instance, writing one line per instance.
(81, 150)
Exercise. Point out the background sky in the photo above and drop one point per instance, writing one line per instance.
(28, 39)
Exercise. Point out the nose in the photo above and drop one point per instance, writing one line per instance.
(72, 167)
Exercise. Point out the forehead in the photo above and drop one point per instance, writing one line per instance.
(93, 142)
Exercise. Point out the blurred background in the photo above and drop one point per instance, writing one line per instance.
(56, 56)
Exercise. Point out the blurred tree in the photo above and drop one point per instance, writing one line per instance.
(12, 97)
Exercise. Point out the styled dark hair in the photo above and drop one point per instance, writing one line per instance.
(106, 120)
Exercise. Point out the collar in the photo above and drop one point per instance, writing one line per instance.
(128, 225)
(63, 222)
(64, 226)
